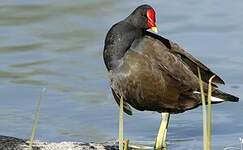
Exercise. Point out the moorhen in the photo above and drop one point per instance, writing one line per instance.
(149, 72)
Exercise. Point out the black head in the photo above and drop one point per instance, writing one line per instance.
(122, 35)
(143, 17)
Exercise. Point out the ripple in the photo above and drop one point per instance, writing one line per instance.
(30, 82)
(30, 64)
(35, 72)
(20, 48)
(12, 15)
(7, 74)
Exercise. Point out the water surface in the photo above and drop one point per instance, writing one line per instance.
(57, 44)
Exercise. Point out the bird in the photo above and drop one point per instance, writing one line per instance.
(148, 72)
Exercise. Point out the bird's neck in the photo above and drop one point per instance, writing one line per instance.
(117, 43)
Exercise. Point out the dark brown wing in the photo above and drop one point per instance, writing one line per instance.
(188, 59)
(166, 61)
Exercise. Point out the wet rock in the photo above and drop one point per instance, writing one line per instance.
(12, 143)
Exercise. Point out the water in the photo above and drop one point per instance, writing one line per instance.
(58, 45)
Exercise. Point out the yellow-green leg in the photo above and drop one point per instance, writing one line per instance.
(121, 125)
(161, 137)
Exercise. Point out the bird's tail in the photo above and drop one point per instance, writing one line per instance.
(219, 96)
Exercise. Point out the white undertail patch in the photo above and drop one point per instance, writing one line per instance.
(214, 99)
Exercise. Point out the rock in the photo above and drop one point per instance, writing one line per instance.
(12, 143)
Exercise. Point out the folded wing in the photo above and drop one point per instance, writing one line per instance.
(188, 59)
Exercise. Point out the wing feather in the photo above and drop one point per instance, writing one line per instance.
(187, 59)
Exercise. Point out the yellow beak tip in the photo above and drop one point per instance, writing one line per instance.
(154, 29)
